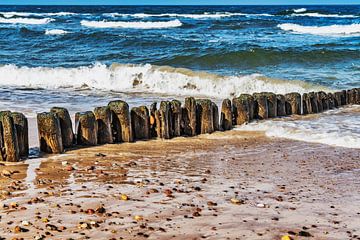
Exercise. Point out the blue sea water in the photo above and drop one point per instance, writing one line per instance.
(84, 56)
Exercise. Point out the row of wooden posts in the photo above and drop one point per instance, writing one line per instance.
(117, 123)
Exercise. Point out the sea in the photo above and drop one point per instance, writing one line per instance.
(81, 57)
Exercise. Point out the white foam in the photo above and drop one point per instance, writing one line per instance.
(320, 15)
(55, 32)
(137, 25)
(146, 78)
(337, 30)
(27, 14)
(300, 10)
(205, 15)
(336, 128)
(35, 21)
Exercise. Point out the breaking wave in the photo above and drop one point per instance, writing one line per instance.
(28, 14)
(320, 15)
(205, 15)
(352, 29)
(137, 25)
(55, 32)
(35, 21)
(146, 78)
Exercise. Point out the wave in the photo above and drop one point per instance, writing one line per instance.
(205, 15)
(28, 14)
(336, 128)
(320, 15)
(299, 10)
(35, 21)
(55, 32)
(138, 25)
(146, 78)
(352, 29)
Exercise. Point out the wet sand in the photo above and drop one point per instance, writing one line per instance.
(233, 185)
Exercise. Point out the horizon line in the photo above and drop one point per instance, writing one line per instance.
(165, 5)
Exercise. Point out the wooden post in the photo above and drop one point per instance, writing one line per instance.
(121, 124)
(293, 103)
(251, 101)
(357, 95)
(189, 117)
(140, 121)
(9, 143)
(313, 103)
(261, 106)
(306, 104)
(280, 102)
(344, 100)
(205, 116)
(216, 118)
(337, 99)
(226, 119)
(86, 128)
(176, 113)
(22, 132)
(352, 96)
(162, 117)
(241, 110)
(103, 118)
(272, 104)
(67, 133)
(152, 120)
(49, 133)
(331, 100)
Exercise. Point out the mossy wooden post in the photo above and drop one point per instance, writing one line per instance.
(86, 128)
(162, 118)
(140, 121)
(241, 110)
(215, 111)
(306, 104)
(293, 103)
(331, 100)
(261, 106)
(280, 102)
(272, 104)
(9, 145)
(121, 124)
(22, 132)
(49, 133)
(205, 122)
(152, 120)
(103, 118)
(189, 117)
(176, 113)
(67, 133)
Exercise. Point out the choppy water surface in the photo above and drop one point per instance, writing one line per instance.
(82, 56)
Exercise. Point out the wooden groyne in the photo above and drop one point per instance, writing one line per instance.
(117, 123)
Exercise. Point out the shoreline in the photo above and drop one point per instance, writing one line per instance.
(183, 187)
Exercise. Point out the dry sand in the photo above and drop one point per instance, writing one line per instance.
(232, 185)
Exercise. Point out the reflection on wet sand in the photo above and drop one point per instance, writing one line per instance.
(235, 185)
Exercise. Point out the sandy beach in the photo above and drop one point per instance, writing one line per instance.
(230, 185)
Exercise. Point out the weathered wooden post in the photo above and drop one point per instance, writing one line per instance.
(215, 111)
(49, 133)
(293, 103)
(280, 102)
(162, 118)
(121, 121)
(67, 133)
(272, 104)
(352, 96)
(337, 99)
(313, 103)
(324, 100)
(261, 106)
(344, 99)
(176, 113)
(140, 121)
(103, 118)
(251, 102)
(189, 117)
(357, 95)
(241, 110)
(331, 100)
(22, 132)
(226, 119)
(86, 128)
(205, 116)
(306, 104)
(9, 142)
(152, 120)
